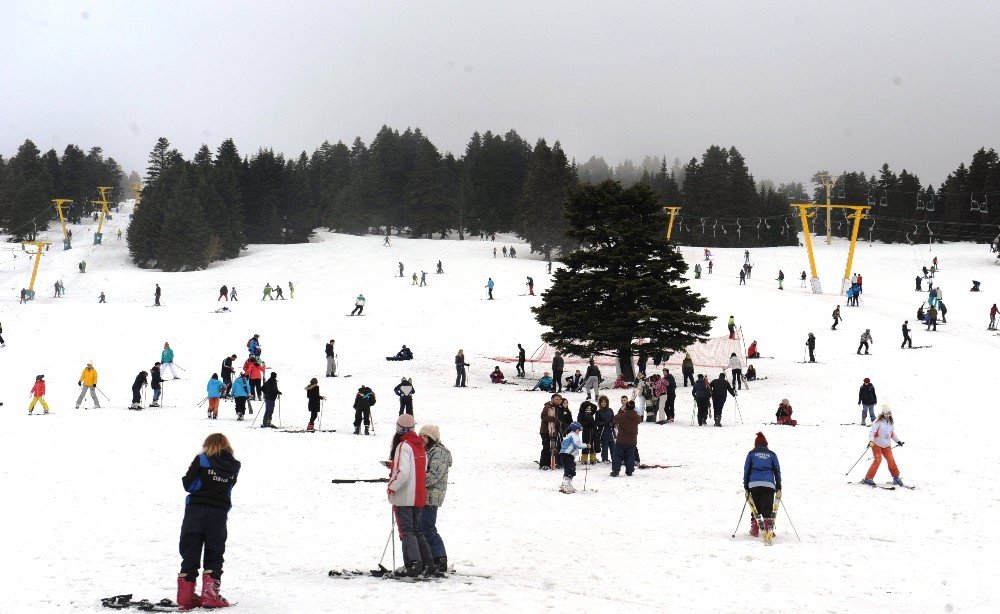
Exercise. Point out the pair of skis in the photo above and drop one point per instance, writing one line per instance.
(766, 532)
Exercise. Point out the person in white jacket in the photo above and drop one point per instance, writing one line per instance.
(880, 439)
(407, 490)
(571, 445)
(736, 366)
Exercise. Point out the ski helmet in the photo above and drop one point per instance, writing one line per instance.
(576, 426)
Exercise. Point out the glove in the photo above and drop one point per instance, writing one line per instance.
(79, 383)
(871, 444)
(777, 495)
(899, 443)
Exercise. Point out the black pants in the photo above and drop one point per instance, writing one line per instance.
(688, 376)
(227, 379)
(460, 376)
(702, 410)
(545, 456)
(626, 454)
(863, 344)
(569, 465)
(671, 397)
(268, 410)
(738, 378)
(255, 391)
(313, 413)
(835, 322)
(812, 356)
(520, 368)
(241, 405)
(717, 405)
(557, 379)
(360, 414)
(763, 500)
(906, 341)
(607, 443)
(405, 405)
(357, 309)
(491, 293)
(204, 527)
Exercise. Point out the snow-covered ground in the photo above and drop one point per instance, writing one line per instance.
(93, 499)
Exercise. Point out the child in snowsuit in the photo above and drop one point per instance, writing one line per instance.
(784, 414)
(571, 444)
(38, 395)
(209, 481)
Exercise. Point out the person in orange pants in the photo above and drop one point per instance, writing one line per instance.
(880, 440)
(38, 394)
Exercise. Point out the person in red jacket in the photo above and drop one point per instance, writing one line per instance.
(407, 490)
(38, 394)
(254, 369)
(752, 350)
(784, 413)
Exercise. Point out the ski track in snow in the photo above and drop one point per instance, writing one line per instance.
(94, 500)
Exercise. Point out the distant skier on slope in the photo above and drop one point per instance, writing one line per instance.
(836, 317)
(489, 287)
(359, 305)
(520, 361)
(866, 338)
(907, 341)
(156, 296)
(137, 386)
(405, 391)
(880, 439)
(313, 404)
(811, 346)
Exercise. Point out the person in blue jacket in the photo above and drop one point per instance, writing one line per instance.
(545, 383)
(240, 392)
(215, 388)
(254, 345)
(489, 287)
(762, 482)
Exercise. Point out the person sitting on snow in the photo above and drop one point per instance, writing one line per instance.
(497, 376)
(403, 354)
(620, 382)
(751, 374)
(545, 383)
(784, 413)
(752, 350)
(574, 382)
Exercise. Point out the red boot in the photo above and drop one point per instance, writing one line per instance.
(187, 599)
(754, 529)
(309, 427)
(210, 597)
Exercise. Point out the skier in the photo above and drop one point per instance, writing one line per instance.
(867, 400)
(414, 279)
(137, 386)
(167, 360)
(737, 370)
(784, 414)
(520, 361)
(531, 286)
(156, 296)
(702, 395)
(313, 404)
(214, 390)
(548, 267)
(919, 280)
(88, 383)
(279, 294)
(423, 278)
(943, 309)
(880, 439)
(587, 417)
(254, 372)
(993, 317)
(407, 490)
(860, 286)
(156, 383)
(866, 338)
(405, 390)
(743, 277)
(708, 254)
(604, 424)
(932, 315)
(489, 287)
(762, 484)
(291, 290)
(363, 402)
(102, 298)
(232, 294)
(687, 369)
(331, 360)
(548, 431)
(253, 345)
(267, 292)
(719, 389)
(746, 256)
(545, 383)
(731, 325)
(836, 317)
(38, 395)
(571, 444)
(811, 346)
(626, 440)
(400, 269)
(209, 480)
(697, 271)
(359, 305)
(592, 379)
(504, 251)
(906, 335)
(496, 376)
(227, 374)
(802, 280)
(271, 394)
(558, 363)
(781, 279)
(440, 270)
(513, 252)
(711, 265)
(438, 463)
(223, 294)
(460, 366)
(386, 242)
(241, 392)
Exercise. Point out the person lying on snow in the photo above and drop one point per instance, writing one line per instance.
(784, 413)
(403, 354)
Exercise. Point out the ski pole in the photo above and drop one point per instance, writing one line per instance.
(279, 418)
(144, 396)
(858, 461)
(179, 367)
(202, 402)
(790, 520)
(740, 415)
(102, 393)
(392, 529)
(694, 407)
(586, 472)
(321, 408)
(740, 521)
(255, 417)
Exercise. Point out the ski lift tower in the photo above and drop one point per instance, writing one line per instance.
(60, 204)
(670, 225)
(104, 212)
(859, 213)
(137, 188)
(828, 183)
(40, 246)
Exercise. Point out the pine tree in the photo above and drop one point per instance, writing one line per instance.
(184, 240)
(624, 288)
(25, 194)
(540, 218)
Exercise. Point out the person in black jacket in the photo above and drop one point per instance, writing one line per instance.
(587, 417)
(156, 383)
(520, 361)
(811, 345)
(405, 390)
(867, 400)
(363, 402)
(271, 394)
(312, 394)
(331, 360)
(137, 386)
(604, 422)
(720, 387)
(460, 366)
(227, 375)
(558, 364)
(209, 481)
(906, 335)
(702, 396)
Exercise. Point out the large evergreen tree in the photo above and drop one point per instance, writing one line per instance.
(540, 218)
(624, 289)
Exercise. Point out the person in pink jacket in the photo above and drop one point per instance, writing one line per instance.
(407, 490)
(38, 394)
(880, 440)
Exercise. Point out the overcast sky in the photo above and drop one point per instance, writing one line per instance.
(795, 86)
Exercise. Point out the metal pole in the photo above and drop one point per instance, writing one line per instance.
(392, 529)
(858, 461)
(829, 236)
(858, 214)
(790, 520)
(102, 393)
(740, 521)
(282, 424)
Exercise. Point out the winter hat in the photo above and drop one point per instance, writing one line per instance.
(405, 422)
(784, 401)
(886, 409)
(867, 380)
(38, 377)
(576, 426)
(430, 432)
(760, 440)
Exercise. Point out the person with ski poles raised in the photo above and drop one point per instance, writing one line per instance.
(762, 485)
(880, 439)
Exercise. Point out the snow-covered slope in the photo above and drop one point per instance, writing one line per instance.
(94, 502)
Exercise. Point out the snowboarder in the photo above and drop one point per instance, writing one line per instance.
(223, 294)
(38, 395)
(167, 361)
(531, 286)
(241, 392)
(156, 296)
(137, 386)
(687, 369)
(781, 279)
(156, 383)
(423, 278)
(386, 242)
(784, 414)
(811, 346)
(558, 364)
(548, 267)
(489, 287)
(836, 317)
(438, 464)
(331, 359)
(209, 480)
(88, 383)
(906, 336)
(592, 379)
(232, 294)
(460, 366)
(802, 280)
(736, 367)
(866, 338)
(405, 391)
(407, 490)
(880, 438)
(762, 484)
(102, 298)
(867, 400)
(313, 404)
(571, 444)
(363, 402)
(626, 440)
(520, 361)
(271, 394)
(359, 305)
(267, 293)
(719, 389)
